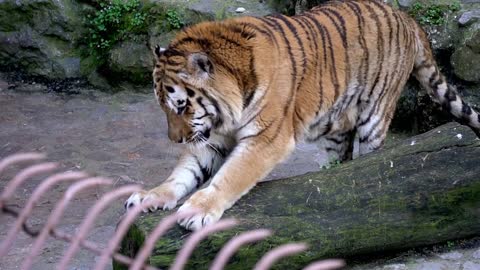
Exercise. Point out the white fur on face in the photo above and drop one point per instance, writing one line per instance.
(178, 94)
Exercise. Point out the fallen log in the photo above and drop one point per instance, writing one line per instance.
(421, 191)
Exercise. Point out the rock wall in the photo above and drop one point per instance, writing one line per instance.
(49, 39)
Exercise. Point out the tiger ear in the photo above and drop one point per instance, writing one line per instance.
(198, 66)
(158, 51)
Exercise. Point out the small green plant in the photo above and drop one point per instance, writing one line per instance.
(433, 14)
(331, 164)
(450, 244)
(116, 20)
(174, 20)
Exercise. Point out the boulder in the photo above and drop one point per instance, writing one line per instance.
(466, 57)
(40, 37)
(130, 61)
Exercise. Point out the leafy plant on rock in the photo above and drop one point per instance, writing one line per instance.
(116, 20)
(433, 14)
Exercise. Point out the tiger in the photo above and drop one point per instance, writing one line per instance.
(242, 92)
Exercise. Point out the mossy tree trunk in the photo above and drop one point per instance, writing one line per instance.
(422, 191)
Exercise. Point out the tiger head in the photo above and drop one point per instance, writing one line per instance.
(186, 87)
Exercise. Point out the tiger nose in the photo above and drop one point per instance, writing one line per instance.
(180, 102)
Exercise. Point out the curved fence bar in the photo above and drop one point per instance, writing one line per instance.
(79, 182)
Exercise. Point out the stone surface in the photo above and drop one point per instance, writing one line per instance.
(40, 37)
(130, 61)
(469, 17)
(405, 3)
(465, 64)
(471, 266)
(240, 10)
(398, 266)
(431, 266)
(476, 254)
(3, 85)
(451, 255)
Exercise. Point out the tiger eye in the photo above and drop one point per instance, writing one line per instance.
(190, 92)
(169, 89)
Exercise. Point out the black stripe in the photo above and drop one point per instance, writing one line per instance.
(380, 43)
(279, 27)
(248, 98)
(333, 69)
(261, 131)
(335, 140)
(327, 130)
(366, 120)
(172, 52)
(240, 29)
(217, 106)
(197, 177)
(466, 110)
(203, 116)
(206, 172)
(203, 42)
(318, 67)
(266, 31)
(342, 30)
(364, 65)
(218, 34)
(259, 101)
(393, 85)
(172, 70)
(450, 95)
(252, 118)
(199, 101)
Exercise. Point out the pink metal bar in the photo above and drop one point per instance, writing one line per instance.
(22, 176)
(19, 158)
(234, 244)
(161, 229)
(326, 265)
(26, 211)
(122, 228)
(90, 219)
(57, 213)
(198, 236)
(107, 253)
(277, 253)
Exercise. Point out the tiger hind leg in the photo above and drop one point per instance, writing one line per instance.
(372, 133)
(338, 146)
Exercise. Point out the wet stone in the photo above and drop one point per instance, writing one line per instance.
(398, 266)
(431, 266)
(451, 256)
(476, 254)
(471, 266)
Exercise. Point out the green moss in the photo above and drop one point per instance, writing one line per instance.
(131, 243)
(431, 13)
(116, 20)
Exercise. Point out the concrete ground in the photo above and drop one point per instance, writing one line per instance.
(123, 136)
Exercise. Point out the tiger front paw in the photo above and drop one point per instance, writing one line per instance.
(152, 200)
(207, 204)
